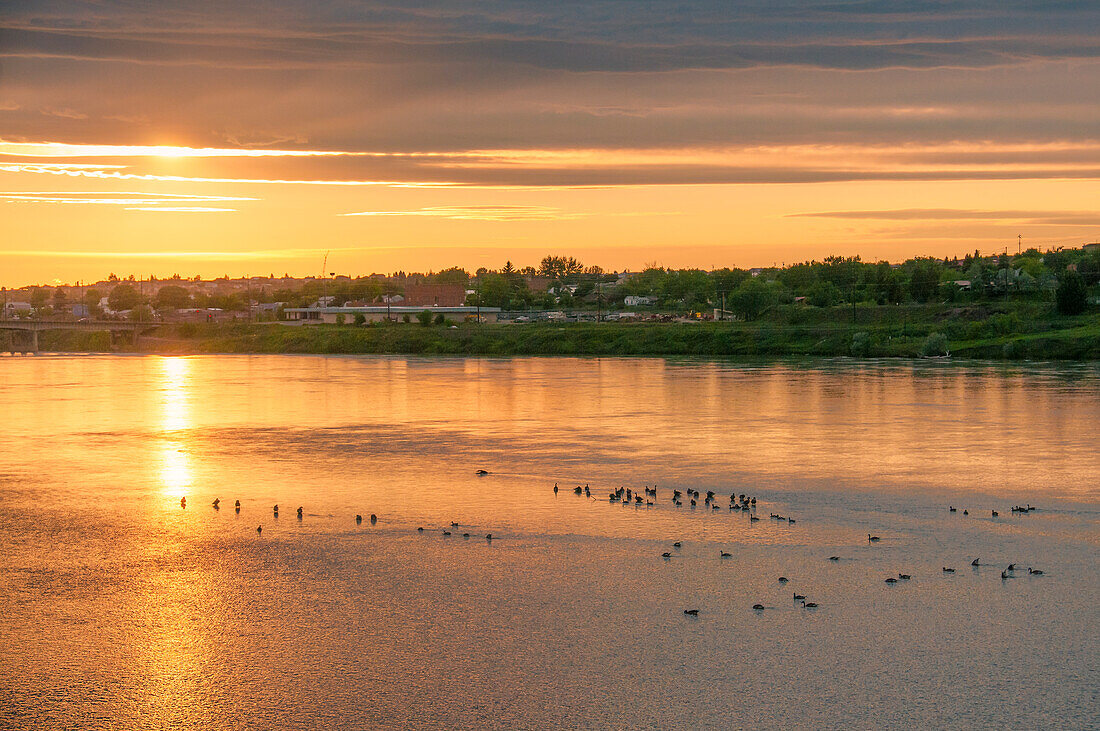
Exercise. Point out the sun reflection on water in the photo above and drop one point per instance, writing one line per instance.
(175, 462)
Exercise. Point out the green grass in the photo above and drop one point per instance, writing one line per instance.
(1014, 330)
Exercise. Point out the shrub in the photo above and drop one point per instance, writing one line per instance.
(440, 320)
(861, 345)
(1071, 295)
(360, 318)
(340, 319)
(935, 344)
(425, 318)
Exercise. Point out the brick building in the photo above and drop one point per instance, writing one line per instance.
(434, 295)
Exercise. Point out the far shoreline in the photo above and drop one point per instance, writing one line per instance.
(1014, 335)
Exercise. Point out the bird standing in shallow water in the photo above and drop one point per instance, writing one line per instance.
(358, 519)
(237, 506)
(259, 529)
(183, 502)
(216, 503)
(373, 518)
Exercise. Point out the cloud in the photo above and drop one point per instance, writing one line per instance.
(115, 198)
(480, 213)
(64, 113)
(182, 209)
(1033, 217)
(129, 201)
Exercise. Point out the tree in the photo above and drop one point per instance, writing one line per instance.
(924, 278)
(454, 275)
(123, 297)
(40, 297)
(560, 267)
(59, 298)
(823, 294)
(424, 317)
(1071, 295)
(439, 319)
(753, 297)
(141, 313)
(172, 297)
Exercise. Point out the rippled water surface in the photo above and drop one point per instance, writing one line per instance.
(122, 609)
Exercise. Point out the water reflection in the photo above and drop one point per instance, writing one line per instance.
(127, 612)
(174, 381)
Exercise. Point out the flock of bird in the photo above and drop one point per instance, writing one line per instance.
(1015, 508)
(358, 518)
(648, 497)
(747, 504)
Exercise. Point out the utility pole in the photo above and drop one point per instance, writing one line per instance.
(599, 300)
(1019, 243)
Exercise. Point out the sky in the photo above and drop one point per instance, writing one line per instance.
(200, 137)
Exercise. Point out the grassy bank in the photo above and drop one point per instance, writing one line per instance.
(1014, 331)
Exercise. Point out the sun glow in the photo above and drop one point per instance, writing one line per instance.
(175, 473)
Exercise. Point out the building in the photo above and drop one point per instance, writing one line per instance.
(538, 283)
(379, 313)
(435, 295)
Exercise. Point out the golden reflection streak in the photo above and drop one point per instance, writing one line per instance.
(175, 463)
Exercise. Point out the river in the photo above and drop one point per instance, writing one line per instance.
(125, 609)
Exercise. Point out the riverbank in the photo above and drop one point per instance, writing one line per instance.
(1014, 331)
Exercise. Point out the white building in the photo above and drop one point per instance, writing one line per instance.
(375, 313)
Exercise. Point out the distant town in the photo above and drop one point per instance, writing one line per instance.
(564, 288)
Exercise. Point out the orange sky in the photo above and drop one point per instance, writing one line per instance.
(187, 138)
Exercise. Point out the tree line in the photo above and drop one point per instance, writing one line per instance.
(1064, 276)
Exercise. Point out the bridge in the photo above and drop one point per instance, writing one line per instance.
(33, 327)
